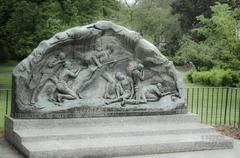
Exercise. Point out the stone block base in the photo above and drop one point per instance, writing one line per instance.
(112, 136)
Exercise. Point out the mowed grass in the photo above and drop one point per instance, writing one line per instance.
(5, 95)
(214, 105)
(6, 74)
(5, 106)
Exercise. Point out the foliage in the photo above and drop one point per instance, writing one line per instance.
(219, 46)
(190, 9)
(198, 54)
(178, 60)
(212, 42)
(219, 32)
(25, 23)
(215, 77)
(153, 19)
(4, 56)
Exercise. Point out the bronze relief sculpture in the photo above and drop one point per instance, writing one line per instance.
(100, 66)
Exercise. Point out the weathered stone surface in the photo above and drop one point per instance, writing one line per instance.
(7, 151)
(112, 136)
(102, 68)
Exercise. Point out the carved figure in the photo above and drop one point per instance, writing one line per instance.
(53, 65)
(137, 77)
(64, 92)
(153, 92)
(96, 61)
(123, 87)
(100, 64)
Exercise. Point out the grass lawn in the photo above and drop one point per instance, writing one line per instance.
(215, 105)
(184, 73)
(5, 99)
(211, 103)
(5, 74)
(5, 83)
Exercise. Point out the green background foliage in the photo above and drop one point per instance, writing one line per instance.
(25, 23)
(215, 43)
(204, 32)
(215, 77)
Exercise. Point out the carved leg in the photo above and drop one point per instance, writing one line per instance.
(61, 97)
(140, 96)
(107, 89)
(143, 98)
(134, 101)
(153, 99)
(110, 82)
(64, 92)
(129, 101)
(68, 91)
(125, 96)
(37, 90)
(86, 83)
(113, 101)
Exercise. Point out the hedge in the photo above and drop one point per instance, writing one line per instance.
(215, 77)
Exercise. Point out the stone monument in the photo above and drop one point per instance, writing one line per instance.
(77, 84)
(99, 68)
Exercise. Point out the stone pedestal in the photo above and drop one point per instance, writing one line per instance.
(112, 136)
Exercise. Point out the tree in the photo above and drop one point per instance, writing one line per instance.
(220, 33)
(190, 9)
(5, 11)
(220, 43)
(23, 24)
(198, 54)
(154, 21)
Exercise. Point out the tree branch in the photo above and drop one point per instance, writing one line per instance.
(127, 4)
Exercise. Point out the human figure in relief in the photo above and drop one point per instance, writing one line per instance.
(123, 88)
(53, 65)
(154, 92)
(137, 77)
(96, 61)
(63, 90)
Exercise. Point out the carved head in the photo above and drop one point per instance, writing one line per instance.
(159, 86)
(98, 48)
(68, 64)
(62, 55)
(21, 67)
(119, 76)
(140, 67)
(37, 53)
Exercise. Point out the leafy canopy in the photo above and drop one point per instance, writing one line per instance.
(220, 43)
(24, 23)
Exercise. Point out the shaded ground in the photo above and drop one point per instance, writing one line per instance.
(230, 131)
(7, 151)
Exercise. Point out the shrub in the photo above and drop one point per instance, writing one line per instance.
(189, 76)
(178, 61)
(215, 77)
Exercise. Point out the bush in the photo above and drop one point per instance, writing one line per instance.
(215, 77)
(178, 61)
(189, 76)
